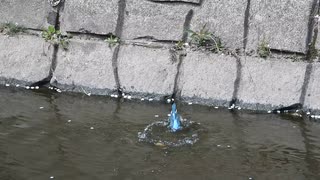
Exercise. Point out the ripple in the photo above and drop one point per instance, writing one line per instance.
(159, 134)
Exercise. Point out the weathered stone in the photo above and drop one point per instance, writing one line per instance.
(156, 20)
(208, 76)
(94, 16)
(31, 14)
(146, 70)
(24, 59)
(282, 24)
(178, 1)
(270, 82)
(312, 100)
(224, 19)
(86, 64)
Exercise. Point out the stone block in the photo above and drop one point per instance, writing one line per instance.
(157, 20)
(270, 82)
(179, 1)
(24, 58)
(282, 24)
(208, 76)
(94, 16)
(146, 70)
(224, 19)
(312, 100)
(86, 64)
(33, 14)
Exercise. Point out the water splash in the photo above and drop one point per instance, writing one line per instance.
(172, 132)
(175, 119)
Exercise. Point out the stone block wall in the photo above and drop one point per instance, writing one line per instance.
(145, 65)
(24, 59)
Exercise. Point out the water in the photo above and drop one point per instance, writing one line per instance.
(101, 141)
(158, 133)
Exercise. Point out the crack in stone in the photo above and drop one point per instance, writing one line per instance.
(57, 25)
(186, 25)
(246, 25)
(314, 10)
(311, 41)
(115, 67)
(237, 81)
(305, 85)
(120, 20)
(312, 51)
(176, 89)
(177, 2)
(118, 33)
(286, 52)
(153, 39)
(151, 46)
(53, 65)
(89, 35)
(52, 18)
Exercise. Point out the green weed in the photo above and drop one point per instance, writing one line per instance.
(179, 45)
(55, 37)
(112, 40)
(264, 49)
(200, 38)
(204, 38)
(218, 46)
(11, 29)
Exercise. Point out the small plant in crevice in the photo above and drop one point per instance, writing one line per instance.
(55, 37)
(218, 46)
(112, 40)
(206, 39)
(11, 28)
(200, 38)
(264, 49)
(178, 49)
(180, 45)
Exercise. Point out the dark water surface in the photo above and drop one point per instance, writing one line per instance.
(39, 143)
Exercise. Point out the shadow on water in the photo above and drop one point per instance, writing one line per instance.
(72, 136)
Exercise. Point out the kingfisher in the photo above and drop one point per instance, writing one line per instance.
(175, 122)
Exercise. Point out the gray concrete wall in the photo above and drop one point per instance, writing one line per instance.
(144, 64)
(86, 64)
(35, 14)
(271, 82)
(24, 59)
(208, 78)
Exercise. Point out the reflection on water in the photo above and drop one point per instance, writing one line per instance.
(100, 141)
